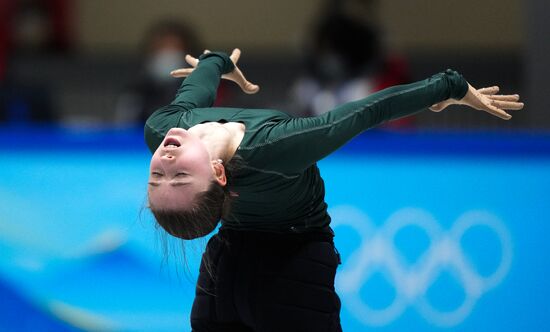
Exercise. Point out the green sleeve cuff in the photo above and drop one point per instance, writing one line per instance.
(457, 83)
(227, 65)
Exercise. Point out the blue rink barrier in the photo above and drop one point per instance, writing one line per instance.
(437, 232)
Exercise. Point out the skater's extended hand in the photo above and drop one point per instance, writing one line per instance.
(485, 99)
(236, 75)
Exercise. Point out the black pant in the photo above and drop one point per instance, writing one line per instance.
(259, 281)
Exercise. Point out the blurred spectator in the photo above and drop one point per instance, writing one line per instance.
(30, 28)
(42, 26)
(345, 62)
(164, 49)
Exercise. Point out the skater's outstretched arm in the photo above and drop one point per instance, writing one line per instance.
(294, 144)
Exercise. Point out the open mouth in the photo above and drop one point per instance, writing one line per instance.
(171, 142)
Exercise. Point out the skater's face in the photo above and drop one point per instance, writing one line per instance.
(181, 167)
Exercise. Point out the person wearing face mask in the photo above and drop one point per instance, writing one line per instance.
(338, 69)
(165, 47)
(272, 263)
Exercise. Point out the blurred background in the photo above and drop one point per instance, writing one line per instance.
(447, 230)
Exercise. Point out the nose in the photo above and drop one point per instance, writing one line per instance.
(168, 157)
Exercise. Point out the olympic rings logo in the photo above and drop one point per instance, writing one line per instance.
(377, 253)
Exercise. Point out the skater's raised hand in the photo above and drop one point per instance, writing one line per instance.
(485, 99)
(236, 75)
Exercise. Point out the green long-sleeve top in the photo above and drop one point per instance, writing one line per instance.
(280, 188)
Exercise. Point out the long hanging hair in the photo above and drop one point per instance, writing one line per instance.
(202, 217)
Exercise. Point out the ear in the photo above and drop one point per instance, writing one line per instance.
(219, 173)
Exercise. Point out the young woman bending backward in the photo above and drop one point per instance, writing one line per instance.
(271, 266)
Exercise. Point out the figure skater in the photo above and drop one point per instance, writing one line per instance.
(271, 265)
